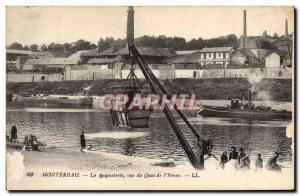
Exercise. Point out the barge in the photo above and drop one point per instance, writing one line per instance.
(238, 109)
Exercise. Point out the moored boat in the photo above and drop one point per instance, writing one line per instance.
(55, 99)
(21, 146)
(245, 111)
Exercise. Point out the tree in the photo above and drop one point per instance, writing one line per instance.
(34, 47)
(146, 41)
(44, 48)
(265, 34)
(82, 45)
(195, 44)
(93, 46)
(56, 49)
(68, 49)
(26, 48)
(16, 46)
(178, 43)
(106, 43)
(275, 35)
(232, 40)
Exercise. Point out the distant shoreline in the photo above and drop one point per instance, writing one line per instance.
(205, 89)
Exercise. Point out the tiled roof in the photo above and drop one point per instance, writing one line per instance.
(103, 61)
(185, 52)
(217, 49)
(110, 51)
(247, 53)
(148, 51)
(13, 51)
(279, 52)
(76, 55)
(52, 61)
(93, 52)
(244, 52)
(144, 51)
(42, 55)
(189, 58)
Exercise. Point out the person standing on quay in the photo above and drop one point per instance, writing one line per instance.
(259, 162)
(241, 155)
(13, 134)
(233, 153)
(224, 160)
(82, 140)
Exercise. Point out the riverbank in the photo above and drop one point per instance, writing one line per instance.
(207, 89)
(74, 170)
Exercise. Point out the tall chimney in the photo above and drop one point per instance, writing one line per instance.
(130, 26)
(286, 27)
(244, 29)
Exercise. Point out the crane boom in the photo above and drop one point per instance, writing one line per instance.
(159, 89)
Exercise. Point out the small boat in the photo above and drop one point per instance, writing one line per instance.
(55, 99)
(21, 146)
(238, 109)
(16, 146)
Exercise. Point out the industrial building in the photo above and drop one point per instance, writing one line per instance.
(150, 54)
(254, 52)
(15, 58)
(49, 64)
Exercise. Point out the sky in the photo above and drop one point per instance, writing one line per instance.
(44, 25)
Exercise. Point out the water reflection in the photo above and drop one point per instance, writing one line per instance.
(129, 148)
(61, 129)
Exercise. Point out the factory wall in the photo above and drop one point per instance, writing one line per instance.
(98, 74)
(33, 77)
(190, 73)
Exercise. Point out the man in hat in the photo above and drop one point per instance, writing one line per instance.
(233, 153)
(82, 140)
(272, 163)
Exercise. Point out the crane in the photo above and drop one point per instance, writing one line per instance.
(204, 146)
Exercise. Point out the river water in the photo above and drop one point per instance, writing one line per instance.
(61, 128)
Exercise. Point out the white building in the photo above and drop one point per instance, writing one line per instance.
(215, 55)
(276, 59)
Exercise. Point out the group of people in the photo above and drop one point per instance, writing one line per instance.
(242, 160)
(30, 141)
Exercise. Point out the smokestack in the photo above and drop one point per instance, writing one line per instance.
(130, 26)
(244, 29)
(286, 27)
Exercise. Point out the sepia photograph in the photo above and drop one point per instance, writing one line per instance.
(150, 98)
